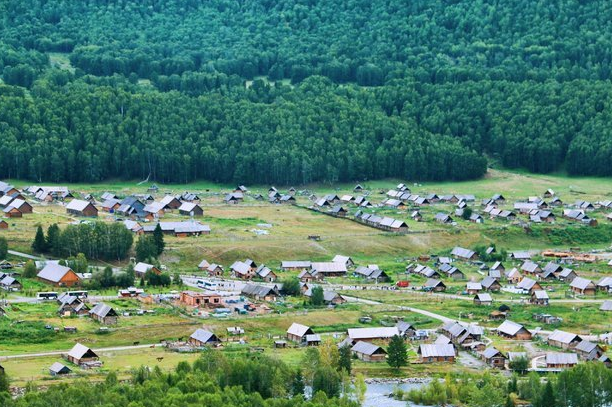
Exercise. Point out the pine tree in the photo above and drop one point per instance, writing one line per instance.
(3, 248)
(53, 239)
(29, 270)
(158, 237)
(547, 397)
(397, 353)
(317, 297)
(39, 245)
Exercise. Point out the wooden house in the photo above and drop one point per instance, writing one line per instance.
(483, 299)
(512, 330)
(558, 360)
(3, 224)
(202, 337)
(368, 352)
(81, 354)
(191, 209)
(57, 275)
(58, 369)
(494, 358)
(140, 269)
(297, 332)
(104, 314)
(583, 286)
(539, 297)
(564, 340)
(78, 207)
(430, 353)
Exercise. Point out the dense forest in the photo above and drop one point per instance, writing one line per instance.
(294, 91)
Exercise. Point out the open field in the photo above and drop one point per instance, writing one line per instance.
(288, 227)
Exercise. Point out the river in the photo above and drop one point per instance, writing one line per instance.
(377, 394)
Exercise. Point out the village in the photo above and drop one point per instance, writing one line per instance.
(467, 281)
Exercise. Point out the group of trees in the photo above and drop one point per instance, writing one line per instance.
(586, 385)
(442, 85)
(150, 246)
(3, 247)
(214, 380)
(97, 240)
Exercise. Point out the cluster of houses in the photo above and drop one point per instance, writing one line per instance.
(12, 203)
(73, 305)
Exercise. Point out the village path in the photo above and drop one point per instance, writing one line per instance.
(24, 255)
(61, 352)
(403, 308)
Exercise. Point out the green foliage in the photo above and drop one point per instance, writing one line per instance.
(346, 359)
(327, 380)
(29, 270)
(146, 248)
(39, 245)
(98, 240)
(158, 238)
(156, 280)
(317, 297)
(291, 286)
(519, 365)
(467, 212)
(586, 385)
(26, 332)
(53, 239)
(297, 386)
(397, 355)
(3, 248)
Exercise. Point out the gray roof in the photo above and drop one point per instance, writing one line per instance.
(586, 346)
(142, 267)
(563, 337)
(79, 351)
(437, 350)
(102, 310)
(557, 358)
(581, 283)
(77, 205)
(258, 290)
(510, 328)
(491, 352)
(299, 330)
(204, 336)
(57, 367)
(295, 264)
(541, 294)
(526, 283)
(240, 267)
(463, 253)
(367, 348)
(372, 333)
(442, 340)
(53, 272)
(485, 297)
(606, 306)
(313, 338)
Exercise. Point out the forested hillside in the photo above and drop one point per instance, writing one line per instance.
(344, 90)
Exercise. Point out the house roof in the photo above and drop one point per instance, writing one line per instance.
(204, 336)
(102, 310)
(484, 297)
(57, 367)
(367, 348)
(581, 283)
(313, 338)
(463, 253)
(488, 281)
(240, 267)
(526, 283)
(541, 294)
(329, 267)
(338, 258)
(471, 285)
(154, 207)
(188, 206)
(143, 267)
(258, 290)
(558, 358)
(53, 272)
(563, 337)
(372, 333)
(295, 264)
(586, 346)
(299, 330)
(510, 328)
(80, 351)
(606, 306)
(490, 352)
(442, 339)
(436, 350)
(78, 205)
(530, 266)
(203, 264)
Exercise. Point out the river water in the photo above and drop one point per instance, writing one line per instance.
(377, 394)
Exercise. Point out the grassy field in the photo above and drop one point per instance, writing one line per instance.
(234, 237)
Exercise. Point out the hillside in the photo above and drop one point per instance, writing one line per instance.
(335, 91)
